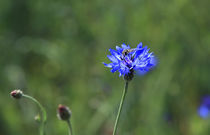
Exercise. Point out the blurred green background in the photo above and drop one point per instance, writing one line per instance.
(53, 50)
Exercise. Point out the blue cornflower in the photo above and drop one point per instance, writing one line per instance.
(204, 108)
(126, 60)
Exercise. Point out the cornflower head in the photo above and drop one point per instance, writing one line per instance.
(127, 60)
(204, 108)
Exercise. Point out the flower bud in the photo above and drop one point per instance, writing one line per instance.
(37, 118)
(64, 113)
(17, 94)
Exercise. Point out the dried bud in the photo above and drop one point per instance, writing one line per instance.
(64, 113)
(17, 94)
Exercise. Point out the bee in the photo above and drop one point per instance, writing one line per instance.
(127, 51)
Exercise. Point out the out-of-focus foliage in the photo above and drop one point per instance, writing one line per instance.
(53, 50)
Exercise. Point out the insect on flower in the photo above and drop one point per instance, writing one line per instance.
(127, 60)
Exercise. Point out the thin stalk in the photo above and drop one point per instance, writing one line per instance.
(120, 107)
(43, 116)
(70, 127)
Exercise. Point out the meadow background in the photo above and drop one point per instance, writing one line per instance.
(53, 50)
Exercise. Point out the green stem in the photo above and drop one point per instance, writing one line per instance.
(70, 127)
(120, 107)
(44, 114)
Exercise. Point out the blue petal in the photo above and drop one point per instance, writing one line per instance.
(146, 51)
(150, 54)
(135, 62)
(141, 65)
(141, 72)
(119, 49)
(140, 45)
(138, 52)
(153, 61)
(124, 46)
(120, 74)
(145, 47)
(124, 69)
(112, 58)
(108, 65)
(203, 111)
(115, 53)
(115, 68)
